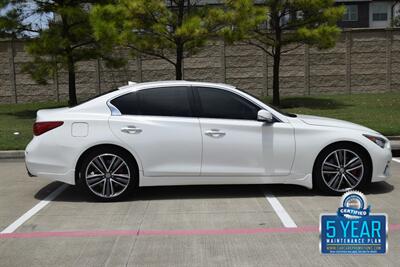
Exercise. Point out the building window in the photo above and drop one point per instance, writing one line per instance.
(351, 13)
(379, 12)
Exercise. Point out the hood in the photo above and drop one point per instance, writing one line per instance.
(322, 121)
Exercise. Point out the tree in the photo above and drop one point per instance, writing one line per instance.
(64, 39)
(395, 14)
(286, 22)
(156, 28)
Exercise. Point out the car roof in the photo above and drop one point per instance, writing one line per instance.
(147, 85)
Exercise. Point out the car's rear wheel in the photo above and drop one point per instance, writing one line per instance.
(340, 168)
(107, 174)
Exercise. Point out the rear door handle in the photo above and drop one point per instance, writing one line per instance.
(215, 133)
(130, 129)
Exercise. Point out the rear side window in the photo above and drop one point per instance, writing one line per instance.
(165, 101)
(127, 104)
(217, 103)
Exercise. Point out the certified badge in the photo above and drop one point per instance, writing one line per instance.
(354, 205)
(353, 229)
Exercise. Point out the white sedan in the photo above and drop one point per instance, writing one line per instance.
(190, 133)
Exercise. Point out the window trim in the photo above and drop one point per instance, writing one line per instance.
(114, 110)
(200, 108)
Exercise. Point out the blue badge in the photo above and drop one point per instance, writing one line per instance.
(353, 229)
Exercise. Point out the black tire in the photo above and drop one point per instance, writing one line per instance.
(325, 183)
(121, 186)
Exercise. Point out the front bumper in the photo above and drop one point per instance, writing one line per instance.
(381, 160)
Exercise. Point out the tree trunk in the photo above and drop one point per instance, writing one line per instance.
(179, 42)
(179, 62)
(71, 82)
(275, 78)
(276, 55)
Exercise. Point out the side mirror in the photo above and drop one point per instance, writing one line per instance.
(264, 115)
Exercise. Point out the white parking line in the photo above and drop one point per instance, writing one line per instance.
(397, 160)
(27, 215)
(280, 211)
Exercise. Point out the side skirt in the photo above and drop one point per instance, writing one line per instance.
(305, 181)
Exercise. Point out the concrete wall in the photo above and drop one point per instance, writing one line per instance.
(361, 61)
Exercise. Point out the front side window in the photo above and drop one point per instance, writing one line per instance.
(351, 13)
(380, 12)
(165, 101)
(217, 103)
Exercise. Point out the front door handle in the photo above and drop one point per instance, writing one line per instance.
(130, 129)
(215, 133)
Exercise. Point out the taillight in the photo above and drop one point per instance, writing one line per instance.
(45, 126)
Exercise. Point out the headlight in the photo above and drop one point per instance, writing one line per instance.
(377, 140)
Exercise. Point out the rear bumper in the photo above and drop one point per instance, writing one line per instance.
(48, 161)
(29, 173)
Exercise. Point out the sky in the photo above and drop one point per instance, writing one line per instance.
(37, 20)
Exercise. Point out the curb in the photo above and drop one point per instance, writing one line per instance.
(12, 154)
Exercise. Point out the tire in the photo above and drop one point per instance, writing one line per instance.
(340, 168)
(108, 174)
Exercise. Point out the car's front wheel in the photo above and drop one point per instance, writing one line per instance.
(340, 168)
(107, 174)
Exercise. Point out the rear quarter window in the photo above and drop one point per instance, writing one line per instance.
(127, 104)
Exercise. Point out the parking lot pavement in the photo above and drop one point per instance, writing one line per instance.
(178, 226)
(17, 192)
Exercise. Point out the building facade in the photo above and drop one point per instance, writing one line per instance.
(376, 14)
(369, 13)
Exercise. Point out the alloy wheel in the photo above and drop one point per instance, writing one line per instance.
(107, 175)
(342, 170)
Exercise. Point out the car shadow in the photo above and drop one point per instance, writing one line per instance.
(75, 194)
